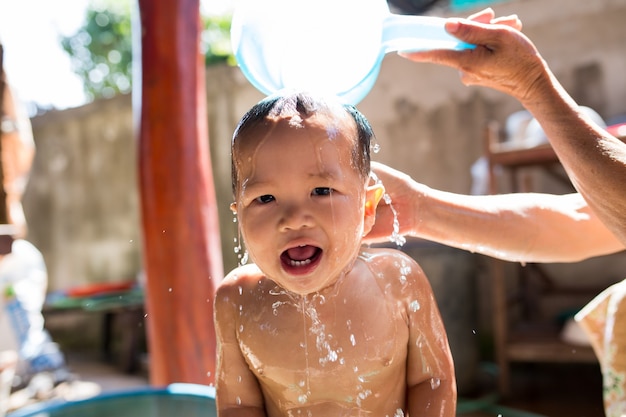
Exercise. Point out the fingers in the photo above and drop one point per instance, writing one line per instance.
(511, 21)
(438, 56)
(484, 16)
(487, 16)
(469, 31)
(472, 32)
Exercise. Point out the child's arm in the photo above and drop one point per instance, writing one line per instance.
(238, 392)
(431, 383)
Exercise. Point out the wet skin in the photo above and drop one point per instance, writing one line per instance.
(319, 326)
(358, 347)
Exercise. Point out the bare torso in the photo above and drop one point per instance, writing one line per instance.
(340, 352)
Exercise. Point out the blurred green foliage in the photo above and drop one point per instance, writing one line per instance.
(101, 49)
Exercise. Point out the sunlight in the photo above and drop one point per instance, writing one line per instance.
(36, 66)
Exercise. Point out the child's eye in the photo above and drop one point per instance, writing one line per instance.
(322, 191)
(264, 199)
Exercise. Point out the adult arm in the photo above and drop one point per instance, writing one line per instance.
(506, 60)
(524, 227)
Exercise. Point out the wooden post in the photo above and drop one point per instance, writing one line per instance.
(182, 255)
(4, 217)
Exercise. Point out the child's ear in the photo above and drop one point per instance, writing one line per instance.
(373, 194)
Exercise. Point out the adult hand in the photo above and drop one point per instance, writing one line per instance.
(503, 59)
(404, 194)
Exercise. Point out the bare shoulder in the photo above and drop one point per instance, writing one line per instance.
(239, 278)
(395, 268)
(229, 292)
(385, 259)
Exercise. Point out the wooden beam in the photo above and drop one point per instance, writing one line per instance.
(4, 217)
(182, 255)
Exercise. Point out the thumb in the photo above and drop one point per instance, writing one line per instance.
(466, 30)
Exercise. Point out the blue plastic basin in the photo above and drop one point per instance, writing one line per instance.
(184, 400)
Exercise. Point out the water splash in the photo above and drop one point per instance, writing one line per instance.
(322, 340)
(405, 268)
(395, 237)
(362, 395)
(242, 255)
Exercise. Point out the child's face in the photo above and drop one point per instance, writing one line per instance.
(301, 201)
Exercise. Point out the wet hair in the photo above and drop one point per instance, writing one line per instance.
(305, 105)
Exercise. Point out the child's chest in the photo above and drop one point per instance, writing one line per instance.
(321, 349)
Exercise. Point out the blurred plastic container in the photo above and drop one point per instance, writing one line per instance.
(327, 46)
(184, 400)
(8, 363)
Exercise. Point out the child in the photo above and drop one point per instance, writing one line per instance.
(318, 325)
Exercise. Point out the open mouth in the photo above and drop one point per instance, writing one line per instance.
(300, 258)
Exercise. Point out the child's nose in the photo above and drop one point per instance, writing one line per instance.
(295, 217)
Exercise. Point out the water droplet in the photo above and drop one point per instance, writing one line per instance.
(332, 356)
(364, 394)
(244, 259)
(169, 289)
(302, 399)
(399, 413)
(352, 340)
(435, 383)
(238, 400)
(414, 306)
(241, 328)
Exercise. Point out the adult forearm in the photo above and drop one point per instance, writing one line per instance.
(594, 160)
(514, 227)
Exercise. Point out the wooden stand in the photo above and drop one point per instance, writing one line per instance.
(529, 342)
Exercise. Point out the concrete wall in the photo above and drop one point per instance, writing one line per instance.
(82, 203)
